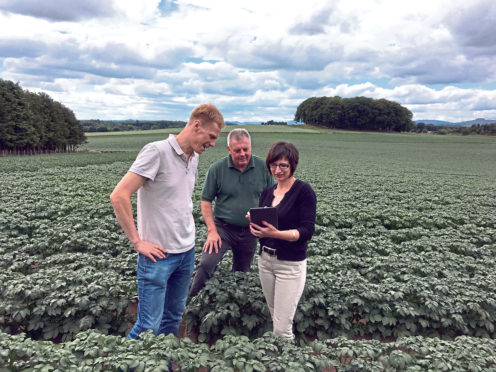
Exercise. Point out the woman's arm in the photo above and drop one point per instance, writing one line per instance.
(307, 207)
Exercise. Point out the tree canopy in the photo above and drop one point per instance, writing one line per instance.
(97, 125)
(32, 123)
(358, 113)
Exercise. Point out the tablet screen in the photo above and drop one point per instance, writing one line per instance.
(269, 214)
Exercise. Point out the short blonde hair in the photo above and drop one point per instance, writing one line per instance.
(207, 114)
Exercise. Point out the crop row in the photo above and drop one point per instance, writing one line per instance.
(404, 246)
(390, 257)
(92, 351)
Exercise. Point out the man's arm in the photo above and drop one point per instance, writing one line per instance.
(121, 201)
(213, 241)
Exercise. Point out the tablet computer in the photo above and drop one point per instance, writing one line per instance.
(269, 214)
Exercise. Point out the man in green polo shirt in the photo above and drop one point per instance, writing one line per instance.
(235, 183)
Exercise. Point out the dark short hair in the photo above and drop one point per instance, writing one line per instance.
(281, 150)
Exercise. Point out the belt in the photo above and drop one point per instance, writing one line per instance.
(231, 226)
(269, 250)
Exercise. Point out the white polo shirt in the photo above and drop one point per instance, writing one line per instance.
(165, 207)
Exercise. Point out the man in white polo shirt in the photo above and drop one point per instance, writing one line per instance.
(164, 175)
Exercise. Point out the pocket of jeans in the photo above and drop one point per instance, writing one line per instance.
(290, 263)
(295, 267)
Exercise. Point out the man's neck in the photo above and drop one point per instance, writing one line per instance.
(182, 140)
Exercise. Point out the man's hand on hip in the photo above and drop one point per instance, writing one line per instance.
(150, 250)
(213, 242)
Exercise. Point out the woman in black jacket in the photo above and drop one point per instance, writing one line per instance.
(282, 261)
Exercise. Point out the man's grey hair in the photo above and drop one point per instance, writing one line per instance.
(238, 134)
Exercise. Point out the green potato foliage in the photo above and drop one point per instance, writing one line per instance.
(404, 251)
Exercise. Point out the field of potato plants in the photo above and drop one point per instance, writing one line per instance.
(400, 270)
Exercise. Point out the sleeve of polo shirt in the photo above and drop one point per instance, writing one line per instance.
(147, 162)
(209, 191)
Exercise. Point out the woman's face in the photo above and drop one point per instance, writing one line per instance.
(280, 169)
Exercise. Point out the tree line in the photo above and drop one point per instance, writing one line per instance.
(33, 123)
(272, 122)
(482, 129)
(358, 113)
(97, 125)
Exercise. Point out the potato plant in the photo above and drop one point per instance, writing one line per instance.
(404, 251)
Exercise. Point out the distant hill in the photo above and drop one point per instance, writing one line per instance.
(478, 121)
(230, 122)
(467, 123)
(435, 122)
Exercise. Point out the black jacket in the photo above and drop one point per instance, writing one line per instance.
(297, 210)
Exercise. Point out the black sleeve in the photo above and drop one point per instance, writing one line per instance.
(308, 210)
(265, 197)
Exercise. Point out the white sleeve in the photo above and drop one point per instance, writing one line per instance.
(147, 162)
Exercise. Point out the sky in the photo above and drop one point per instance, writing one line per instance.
(255, 60)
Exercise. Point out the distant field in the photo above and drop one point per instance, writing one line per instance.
(227, 128)
(405, 245)
(339, 148)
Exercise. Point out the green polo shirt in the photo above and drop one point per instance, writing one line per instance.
(235, 192)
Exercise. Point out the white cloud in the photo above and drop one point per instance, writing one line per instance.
(257, 61)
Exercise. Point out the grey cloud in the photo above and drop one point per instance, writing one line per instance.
(302, 80)
(233, 89)
(483, 103)
(315, 25)
(437, 64)
(307, 29)
(20, 47)
(365, 55)
(59, 10)
(43, 71)
(122, 55)
(444, 72)
(197, 85)
(172, 58)
(239, 87)
(335, 73)
(77, 68)
(318, 22)
(53, 87)
(284, 56)
(119, 72)
(70, 60)
(117, 53)
(475, 26)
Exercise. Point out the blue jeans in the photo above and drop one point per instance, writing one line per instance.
(162, 292)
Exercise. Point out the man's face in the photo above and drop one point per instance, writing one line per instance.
(240, 151)
(205, 136)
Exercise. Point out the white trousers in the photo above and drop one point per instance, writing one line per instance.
(282, 285)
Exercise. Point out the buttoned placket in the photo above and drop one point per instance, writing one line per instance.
(185, 158)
